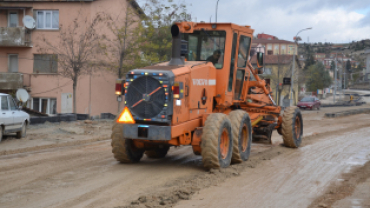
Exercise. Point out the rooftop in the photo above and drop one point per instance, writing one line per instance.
(256, 41)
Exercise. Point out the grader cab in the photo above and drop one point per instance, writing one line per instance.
(208, 96)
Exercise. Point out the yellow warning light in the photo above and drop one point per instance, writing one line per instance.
(126, 117)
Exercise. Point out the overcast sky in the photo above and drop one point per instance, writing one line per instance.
(331, 20)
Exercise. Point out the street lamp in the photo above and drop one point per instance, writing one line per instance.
(216, 9)
(296, 41)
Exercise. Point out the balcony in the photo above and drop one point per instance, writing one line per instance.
(12, 81)
(15, 37)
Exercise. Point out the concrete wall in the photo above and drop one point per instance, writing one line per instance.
(13, 36)
(10, 81)
(103, 99)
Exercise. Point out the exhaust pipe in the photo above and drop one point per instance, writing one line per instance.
(176, 59)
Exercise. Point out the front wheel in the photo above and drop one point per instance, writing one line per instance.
(22, 132)
(292, 127)
(217, 140)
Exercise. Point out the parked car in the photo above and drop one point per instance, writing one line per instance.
(12, 118)
(309, 103)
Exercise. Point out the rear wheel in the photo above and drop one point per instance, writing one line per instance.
(292, 127)
(159, 152)
(123, 149)
(242, 135)
(217, 141)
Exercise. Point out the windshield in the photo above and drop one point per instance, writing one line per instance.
(206, 46)
(307, 99)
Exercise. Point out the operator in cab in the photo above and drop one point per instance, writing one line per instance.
(214, 58)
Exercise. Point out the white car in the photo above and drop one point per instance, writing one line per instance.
(12, 119)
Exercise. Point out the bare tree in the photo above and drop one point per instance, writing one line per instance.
(76, 48)
(121, 48)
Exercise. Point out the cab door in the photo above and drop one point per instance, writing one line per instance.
(17, 114)
(6, 118)
(242, 60)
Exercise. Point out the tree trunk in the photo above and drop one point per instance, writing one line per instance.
(74, 94)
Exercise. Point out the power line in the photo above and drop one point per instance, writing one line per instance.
(52, 89)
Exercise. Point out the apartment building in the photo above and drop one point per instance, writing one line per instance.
(22, 65)
(276, 47)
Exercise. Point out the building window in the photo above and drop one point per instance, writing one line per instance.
(13, 62)
(13, 19)
(269, 49)
(283, 49)
(276, 49)
(45, 63)
(48, 19)
(45, 105)
(291, 50)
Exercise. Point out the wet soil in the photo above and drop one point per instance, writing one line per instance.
(351, 190)
(81, 172)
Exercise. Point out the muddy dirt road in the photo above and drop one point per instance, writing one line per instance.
(81, 171)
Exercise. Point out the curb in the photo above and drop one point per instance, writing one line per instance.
(347, 113)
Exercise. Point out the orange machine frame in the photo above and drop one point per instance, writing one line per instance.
(186, 127)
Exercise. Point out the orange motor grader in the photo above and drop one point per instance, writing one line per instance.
(208, 96)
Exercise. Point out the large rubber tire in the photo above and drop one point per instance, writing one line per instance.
(292, 127)
(23, 132)
(159, 152)
(123, 149)
(242, 135)
(216, 142)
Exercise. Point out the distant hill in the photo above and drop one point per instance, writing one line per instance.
(348, 48)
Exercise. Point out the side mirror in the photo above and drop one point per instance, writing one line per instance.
(261, 70)
(260, 63)
(260, 57)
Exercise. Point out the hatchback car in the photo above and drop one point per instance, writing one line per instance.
(12, 119)
(309, 103)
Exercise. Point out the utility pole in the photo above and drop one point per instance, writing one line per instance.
(295, 51)
(216, 9)
(335, 76)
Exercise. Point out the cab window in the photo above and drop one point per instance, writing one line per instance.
(233, 50)
(244, 44)
(239, 83)
(206, 46)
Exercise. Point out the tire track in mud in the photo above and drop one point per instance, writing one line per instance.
(183, 188)
(64, 163)
(65, 144)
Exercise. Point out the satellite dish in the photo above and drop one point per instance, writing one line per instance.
(29, 22)
(22, 95)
